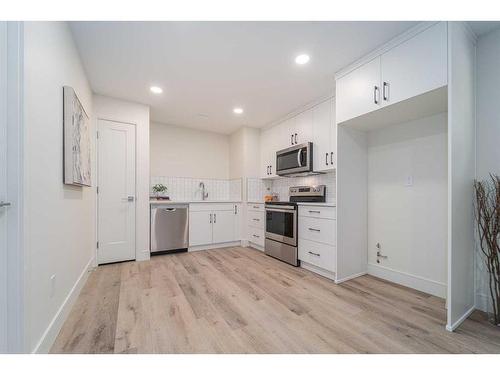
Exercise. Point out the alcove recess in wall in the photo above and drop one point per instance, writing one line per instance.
(403, 150)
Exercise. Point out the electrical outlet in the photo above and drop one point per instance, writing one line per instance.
(52, 285)
(409, 180)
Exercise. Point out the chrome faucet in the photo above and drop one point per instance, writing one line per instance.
(204, 195)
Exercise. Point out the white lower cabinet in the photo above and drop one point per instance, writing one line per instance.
(200, 228)
(317, 239)
(255, 223)
(213, 223)
(317, 254)
(223, 228)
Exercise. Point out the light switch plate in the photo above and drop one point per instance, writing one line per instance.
(409, 180)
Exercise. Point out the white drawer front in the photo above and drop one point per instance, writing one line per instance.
(317, 254)
(256, 235)
(196, 207)
(318, 211)
(255, 219)
(255, 207)
(319, 230)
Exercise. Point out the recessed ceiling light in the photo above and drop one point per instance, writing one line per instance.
(156, 89)
(302, 59)
(238, 110)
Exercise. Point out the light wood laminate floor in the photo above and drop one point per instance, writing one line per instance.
(239, 300)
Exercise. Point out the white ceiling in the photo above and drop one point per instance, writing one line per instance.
(207, 68)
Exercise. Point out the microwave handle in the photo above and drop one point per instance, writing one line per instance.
(299, 158)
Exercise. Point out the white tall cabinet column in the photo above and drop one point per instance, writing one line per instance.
(461, 172)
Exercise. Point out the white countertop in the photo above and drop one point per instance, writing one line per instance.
(152, 201)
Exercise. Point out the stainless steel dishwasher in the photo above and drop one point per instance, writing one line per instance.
(169, 228)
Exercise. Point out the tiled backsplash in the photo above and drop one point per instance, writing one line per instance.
(188, 189)
(257, 188)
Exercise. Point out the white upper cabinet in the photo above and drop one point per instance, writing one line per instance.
(333, 135)
(302, 127)
(358, 92)
(416, 66)
(413, 67)
(322, 150)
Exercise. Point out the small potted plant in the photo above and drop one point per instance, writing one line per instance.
(160, 191)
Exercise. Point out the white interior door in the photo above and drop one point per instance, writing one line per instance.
(116, 195)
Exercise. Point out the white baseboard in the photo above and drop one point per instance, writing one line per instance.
(255, 246)
(320, 271)
(214, 246)
(350, 277)
(50, 334)
(422, 284)
(455, 325)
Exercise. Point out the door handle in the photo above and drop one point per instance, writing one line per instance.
(331, 158)
(385, 94)
(295, 138)
(130, 198)
(170, 209)
(375, 94)
(326, 158)
(291, 139)
(299, 158)
(4, 204)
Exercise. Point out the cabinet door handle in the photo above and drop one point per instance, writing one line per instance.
(291, 139)
(385, 92)
(215, 218)
(235, 209)
(331, 158)
(256, 219)
(210, 218)
(4, 204)
(375, 94)
(314, 230)
(314, 212)
(326, 159)
(270, 169)
(255, 206)
(295, 138)
(256, 236)
(315, 254)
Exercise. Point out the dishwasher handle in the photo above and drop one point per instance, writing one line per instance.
(170, 209)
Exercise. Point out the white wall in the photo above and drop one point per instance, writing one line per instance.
(184, 152)
(244, 153)
(123, 111)
(488, 130)
(409, 222)
(59, 219)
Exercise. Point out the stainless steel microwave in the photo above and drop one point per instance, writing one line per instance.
(295, 160)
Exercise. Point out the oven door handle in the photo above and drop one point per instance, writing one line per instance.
(299, 158)
(291, 211)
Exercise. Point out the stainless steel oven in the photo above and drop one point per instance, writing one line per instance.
(281, 232)
(295, 160)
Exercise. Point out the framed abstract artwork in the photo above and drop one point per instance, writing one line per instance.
(77, 151)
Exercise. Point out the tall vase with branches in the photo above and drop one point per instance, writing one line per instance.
(487, 215)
